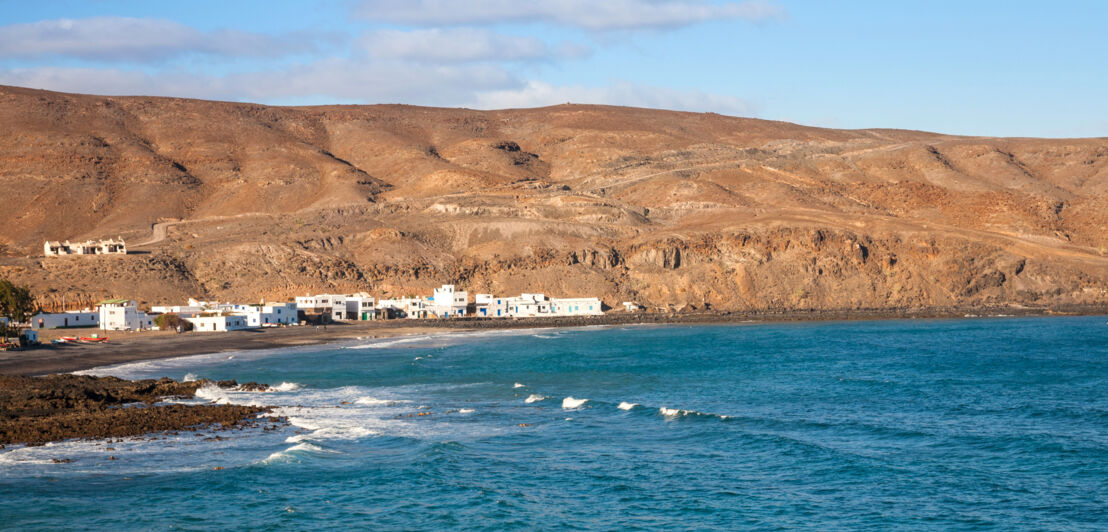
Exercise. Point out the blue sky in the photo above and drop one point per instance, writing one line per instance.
(1013, 68)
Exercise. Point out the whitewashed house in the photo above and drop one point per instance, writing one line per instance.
(528, 305)
(448, 302)
(72, 318)
(360, 307)
(333, 305)
(221, 322)
(538, 305)
(88, 247)
(123, 315)
(631, 306)
(268, 315)
(407, 307)
(490, 306)
(575, 306)
(184, 311)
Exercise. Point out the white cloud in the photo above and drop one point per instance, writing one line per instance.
(115, 82)
(588, 14)
(453, 45)
(540, 94)
(136, 39)
(333, 79)
(375, 82)
(479, 86)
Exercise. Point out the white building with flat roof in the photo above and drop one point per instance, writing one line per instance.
(184, 311)
(321, 303)
(88, 247)
(123, 315)
(407, 307)
(269, 314)
(359, 307)
(448, 302)
(218, 323)
(72, 318)
(528, 306)
(490, 306)
(575, 306)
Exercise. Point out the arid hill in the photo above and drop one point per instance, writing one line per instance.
(230, 200)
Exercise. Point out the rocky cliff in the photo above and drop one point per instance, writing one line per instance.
(674, 210)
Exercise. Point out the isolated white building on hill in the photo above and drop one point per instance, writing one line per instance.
(123, 315)
(88, 247)
(73, 318)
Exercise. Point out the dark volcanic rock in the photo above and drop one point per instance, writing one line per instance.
(36, 410)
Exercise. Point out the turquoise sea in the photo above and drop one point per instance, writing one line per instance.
(995, 424)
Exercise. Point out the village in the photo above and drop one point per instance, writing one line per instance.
(121, 314)
(445, 302)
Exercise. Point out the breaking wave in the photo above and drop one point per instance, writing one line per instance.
(569, 403)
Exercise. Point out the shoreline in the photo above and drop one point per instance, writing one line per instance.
(136, 347)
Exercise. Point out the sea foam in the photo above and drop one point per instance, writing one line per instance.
(569, 403)
(627, 406)
(534, 398)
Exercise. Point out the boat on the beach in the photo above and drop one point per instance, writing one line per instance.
(68, 338)
(94, 339)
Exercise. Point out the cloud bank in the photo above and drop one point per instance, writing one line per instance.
(136, 39)
(587, 14)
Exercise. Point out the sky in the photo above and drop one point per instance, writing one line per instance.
(981, 67)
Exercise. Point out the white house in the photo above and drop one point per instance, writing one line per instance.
(490, 306)
(321, 303)
(448, 302)
(184, 311)
(528, 305)
(89, 247)
(269, 315)
(222, 322)
(537, 305)
(73, 318)
(359, 307)
(123, 315)
(407, 307)
(631, 306)
(575, 306)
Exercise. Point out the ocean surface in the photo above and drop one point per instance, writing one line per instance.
(995, 423)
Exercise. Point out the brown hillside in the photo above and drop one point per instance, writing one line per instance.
(666, 208)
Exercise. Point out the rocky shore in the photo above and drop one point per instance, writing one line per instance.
(36, 410)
